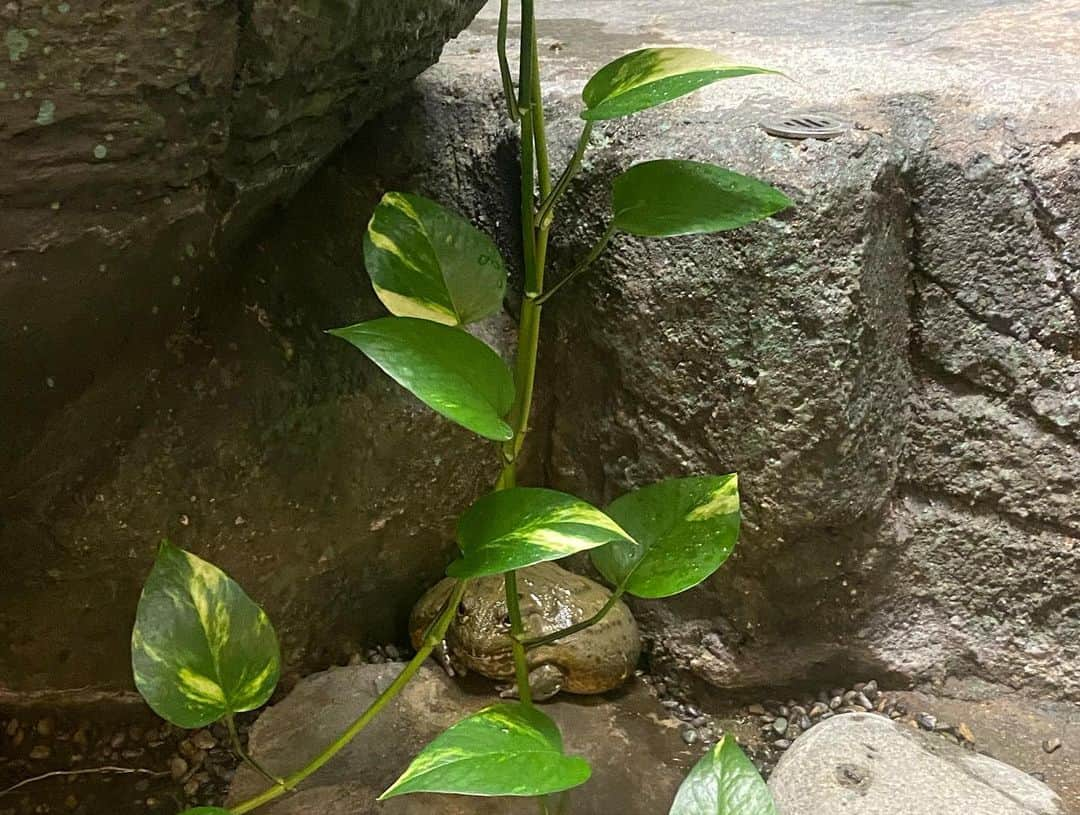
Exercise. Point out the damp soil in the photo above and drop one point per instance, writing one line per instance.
(109, 758)
(117, 757)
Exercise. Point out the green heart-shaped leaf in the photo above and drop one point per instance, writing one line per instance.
(426, 261)
(201, 649)
(515, 528)
(683, 529)
(668, 197)
(505, 749)
(723, 782)
(446, 368)
(652, 76)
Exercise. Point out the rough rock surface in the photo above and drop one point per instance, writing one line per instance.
(256, 440)
(892, 366)
(625, 736)
(140, 139)
(867, 765)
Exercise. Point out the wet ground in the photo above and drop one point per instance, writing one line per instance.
(117, 758)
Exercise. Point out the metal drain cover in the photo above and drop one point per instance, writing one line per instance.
(805, 126)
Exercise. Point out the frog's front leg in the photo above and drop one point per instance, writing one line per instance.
(544, 681)
(445, 656)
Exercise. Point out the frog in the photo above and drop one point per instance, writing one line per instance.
(594, 660)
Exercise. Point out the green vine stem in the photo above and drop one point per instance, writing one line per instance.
(517, 632)
(433, 638)
(534, 156)
(536, 642)
(504, 63)
(582, 266)
(246, 757)
(546, 213)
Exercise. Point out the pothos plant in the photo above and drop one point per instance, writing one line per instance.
(202, 651)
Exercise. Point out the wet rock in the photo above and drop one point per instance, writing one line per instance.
(868, 765)
(322, 705)
(178, 768)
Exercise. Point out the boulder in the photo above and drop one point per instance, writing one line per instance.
(636, 752)
(140, 141)
(862, 764)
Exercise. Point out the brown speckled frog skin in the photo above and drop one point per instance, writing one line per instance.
(594, 660)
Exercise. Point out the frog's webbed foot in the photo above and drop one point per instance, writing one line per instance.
(544, 681)
(445, 657)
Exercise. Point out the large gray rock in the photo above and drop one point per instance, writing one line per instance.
(139, 140)
(891, 366)
(256, 440)
(869, 765)
(635, 750)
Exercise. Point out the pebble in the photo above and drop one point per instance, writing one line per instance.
(689, 735)
(926, 721)
(1052, 745)
(780, 726)
(12, 728)
(781, 744)
(187, 748)
(178, 768)
(46, 727)
(204, 740)
(40, 751)
(753, 710)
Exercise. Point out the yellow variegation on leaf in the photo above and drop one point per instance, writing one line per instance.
(517, 527)
(683, 529)
(652, 76)
(428, 262)
(504, 749)
(201, 649)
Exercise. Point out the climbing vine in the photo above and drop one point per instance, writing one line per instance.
(203, 651)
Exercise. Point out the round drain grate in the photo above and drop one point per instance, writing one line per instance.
(805, 126)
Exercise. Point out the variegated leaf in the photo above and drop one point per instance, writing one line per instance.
(649, 77)
(505, 749)
(515, 528)
(723, 782)
(428, 262)
(683, 529)
(201, 649)
(447, 369)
